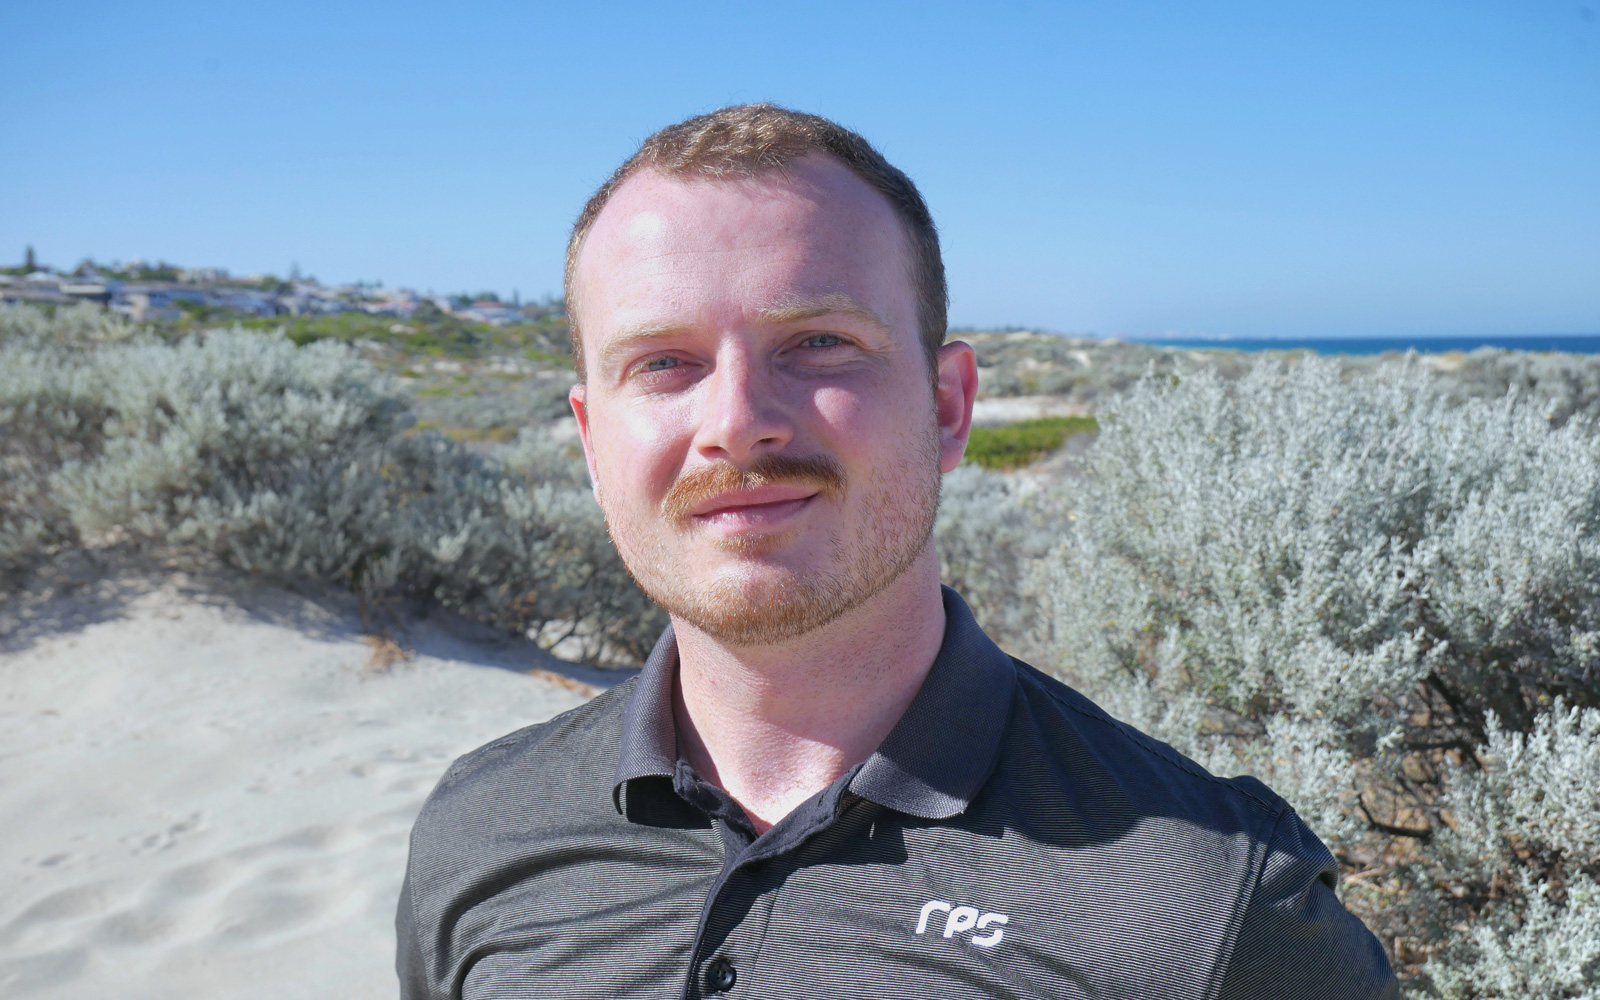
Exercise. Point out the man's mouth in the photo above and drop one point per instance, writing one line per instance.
(760, 507)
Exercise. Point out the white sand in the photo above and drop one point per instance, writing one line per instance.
(205, 797)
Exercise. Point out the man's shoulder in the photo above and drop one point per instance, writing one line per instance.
(577, 748)
(1078, 736)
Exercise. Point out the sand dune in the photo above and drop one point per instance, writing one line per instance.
(206, 796)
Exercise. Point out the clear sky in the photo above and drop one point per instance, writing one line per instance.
(1132, 168)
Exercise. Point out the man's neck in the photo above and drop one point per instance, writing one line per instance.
(774, 725)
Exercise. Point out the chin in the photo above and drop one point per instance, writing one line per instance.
(755, 589)
(752, 606)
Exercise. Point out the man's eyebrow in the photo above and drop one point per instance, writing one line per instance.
(830, 304)
(626, 339)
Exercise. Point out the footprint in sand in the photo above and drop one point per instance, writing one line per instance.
(167, 837)
(327, 837)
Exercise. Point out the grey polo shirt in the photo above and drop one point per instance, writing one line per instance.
(1008, 839)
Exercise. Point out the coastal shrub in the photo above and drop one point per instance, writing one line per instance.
(298, 462)
(516, 540)
(1557, 385)
(79, 326)
(1527, 826)
(1086, 370)
(1385, 604)
(51, 407)
(239, 444)
(991, 527)
(1092, 371)
(493, 402)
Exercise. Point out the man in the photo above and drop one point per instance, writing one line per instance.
(827, 781)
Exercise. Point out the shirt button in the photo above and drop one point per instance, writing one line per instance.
(721, 975)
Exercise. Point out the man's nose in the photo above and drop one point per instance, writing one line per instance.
(742, 411)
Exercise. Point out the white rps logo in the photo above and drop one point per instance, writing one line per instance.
(960, 919)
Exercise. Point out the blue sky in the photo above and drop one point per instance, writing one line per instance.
(1139, 169)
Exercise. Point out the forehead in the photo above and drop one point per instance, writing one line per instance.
(674, 244)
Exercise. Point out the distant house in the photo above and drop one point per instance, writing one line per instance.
(87, 290)
(34, 295)
(245, 300)
(402, 307)
(493, 313)
(38, 288)
(153, 300)
(306, 299)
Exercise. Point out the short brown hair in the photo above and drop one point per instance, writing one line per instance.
(747, 140)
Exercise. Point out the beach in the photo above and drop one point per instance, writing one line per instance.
(206, 787)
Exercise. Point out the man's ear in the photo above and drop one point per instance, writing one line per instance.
(952, 399)
(578, 398)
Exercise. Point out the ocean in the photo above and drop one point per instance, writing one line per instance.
(1576, 343)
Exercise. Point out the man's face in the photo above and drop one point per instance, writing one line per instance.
(758, 414)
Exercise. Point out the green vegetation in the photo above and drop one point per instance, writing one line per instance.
(1021, 443)
(429, 332)
(199, 316)
(562, 358)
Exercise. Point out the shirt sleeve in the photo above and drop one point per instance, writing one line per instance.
(1296, 940)
(410, 948)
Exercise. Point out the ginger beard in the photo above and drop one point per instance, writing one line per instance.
(751, 598)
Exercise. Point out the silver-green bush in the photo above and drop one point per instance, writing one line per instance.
(296, 462)
(1558, 385)
(992, 527)
(1379, 601)
(50, 414)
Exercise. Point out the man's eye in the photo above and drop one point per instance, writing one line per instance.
(823, 340)
(661, 364)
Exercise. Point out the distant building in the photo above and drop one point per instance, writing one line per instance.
(493, 313)
(34, 296)
(149, 301)
(245, 300)
(86, 290)
(39, 288)
(397, 305)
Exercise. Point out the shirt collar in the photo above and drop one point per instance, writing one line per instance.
(930, 765)
(649, 732)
